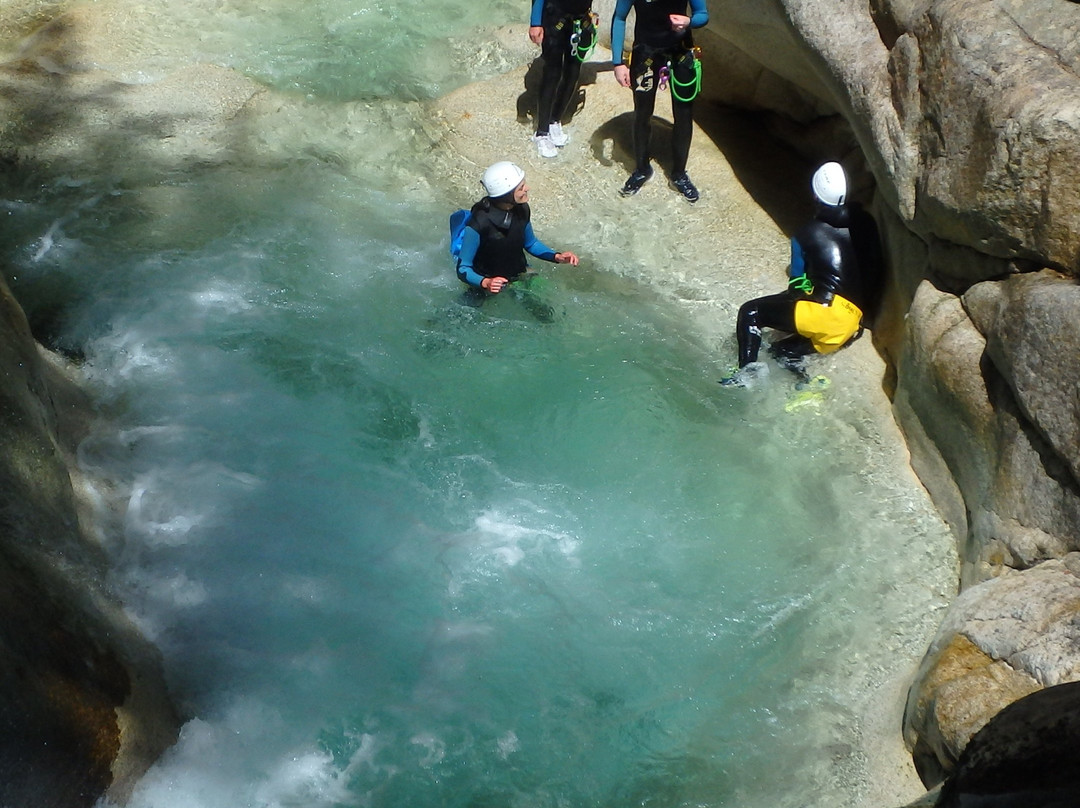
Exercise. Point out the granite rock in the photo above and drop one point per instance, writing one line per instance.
(1001, 640)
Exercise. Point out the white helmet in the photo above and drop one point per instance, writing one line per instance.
(830, 184)
(502, 178)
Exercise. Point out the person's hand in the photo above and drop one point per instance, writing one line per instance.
(679, 22)
(536, 34)
(622, 75)
(494, 285)
(566, 258)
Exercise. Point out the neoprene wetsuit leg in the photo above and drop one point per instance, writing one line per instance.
(644, 104)
(561, 71)
(771, 311)
(683, 114)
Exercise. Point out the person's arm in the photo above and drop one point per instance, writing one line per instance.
(536, 22)
(618, 37)
(798, 280)
(798, 265)
(699, 14)
(537, 17)
(470, 243)
(618, 30)
(534, 246)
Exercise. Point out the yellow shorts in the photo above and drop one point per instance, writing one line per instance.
(828, 327)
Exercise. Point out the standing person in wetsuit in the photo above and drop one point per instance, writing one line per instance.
(834, 276)
(663, 53)
(498, 235)
(566, 32)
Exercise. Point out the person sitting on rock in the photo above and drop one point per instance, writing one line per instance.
(663, 54)
(835, 263)
(497, 235)
(566, 32)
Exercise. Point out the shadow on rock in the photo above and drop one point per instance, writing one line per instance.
(526, 102)
(1027, 756)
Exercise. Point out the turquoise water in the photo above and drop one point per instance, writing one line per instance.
(401, 552)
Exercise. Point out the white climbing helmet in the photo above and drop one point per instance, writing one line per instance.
(830, 184)
(501, 178)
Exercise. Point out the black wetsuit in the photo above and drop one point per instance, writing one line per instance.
(837, 254)
(495, 241)
(494, 244)
(655, 46)
(561, 64)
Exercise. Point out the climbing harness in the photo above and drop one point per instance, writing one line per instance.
(694, 84)
(583, 53)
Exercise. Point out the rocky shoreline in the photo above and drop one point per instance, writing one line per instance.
(975, 344)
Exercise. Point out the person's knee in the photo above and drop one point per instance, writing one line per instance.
(795, 348)
(748, 311)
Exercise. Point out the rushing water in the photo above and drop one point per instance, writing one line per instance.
(400, 552)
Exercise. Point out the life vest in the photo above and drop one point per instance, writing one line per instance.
(502, 239)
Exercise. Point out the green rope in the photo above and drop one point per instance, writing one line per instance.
(694, 82)
(583, 55)
(802, 284)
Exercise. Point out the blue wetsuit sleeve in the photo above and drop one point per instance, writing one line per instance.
(537, 17)
(534, 246)
(618, 29)
(699, 15)
(798, 265)
(470, 243)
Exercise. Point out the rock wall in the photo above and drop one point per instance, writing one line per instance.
(963, 116)
(83, 703)
(84, 707)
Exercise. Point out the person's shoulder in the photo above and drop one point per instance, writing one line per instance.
(836, 217)
(811, 230)
(478, 214)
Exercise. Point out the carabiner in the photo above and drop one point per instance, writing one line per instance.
(665, 74)
(582, 54)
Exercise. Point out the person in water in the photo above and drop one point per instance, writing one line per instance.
(833, 282)
(663, 54)
(566, 32)
(499, 233)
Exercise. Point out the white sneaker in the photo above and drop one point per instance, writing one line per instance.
(557, 135)
(545, 146)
